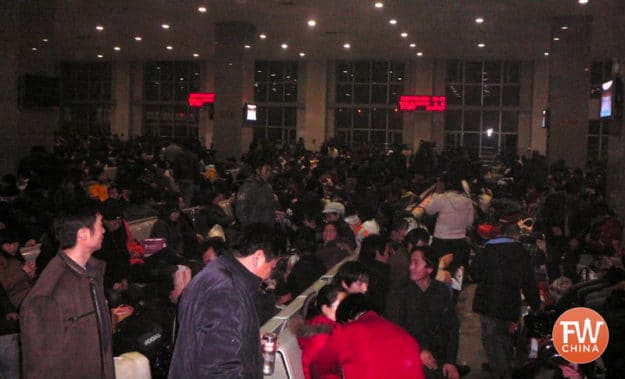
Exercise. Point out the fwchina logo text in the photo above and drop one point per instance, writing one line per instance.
(580, 335)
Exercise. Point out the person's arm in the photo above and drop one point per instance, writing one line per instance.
(42, 334)
(326, 364)
(434, 206)
(477, 267)
(218, 335)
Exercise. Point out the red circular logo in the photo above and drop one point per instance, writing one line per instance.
(580, 335)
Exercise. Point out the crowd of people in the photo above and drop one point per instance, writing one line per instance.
(405, 226)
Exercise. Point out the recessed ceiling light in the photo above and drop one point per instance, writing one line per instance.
(419, 54)
(262, 36)
(347, 45)
(34, 49)
(202, 9)
(284, 46)
(165, 26)
(138, 38)
(480, 45)
(117, 48)
(312, 23)
(247, 46)
(378, 4)
(99, 28)
(546, 53)
(479, 20)
(404, 35)
(392, 21)
(582, 1)
(44, 40)
(100, 56)
(169, 47)
(564, 27)
(195, 55)
(302, 54)
(413, 45)
(556, 38)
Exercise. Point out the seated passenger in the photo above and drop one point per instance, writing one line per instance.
(332, 250)
(320, 321)
(367, 346)
(353, 277)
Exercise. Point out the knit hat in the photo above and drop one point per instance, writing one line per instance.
(334, 207)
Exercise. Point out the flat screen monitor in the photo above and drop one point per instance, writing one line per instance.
(607, 99)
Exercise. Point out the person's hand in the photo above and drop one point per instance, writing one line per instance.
(122, 285)
(30, 268)
(512, 327)
(428, 359)
(12, 316)
(30, 242)
(450, 371)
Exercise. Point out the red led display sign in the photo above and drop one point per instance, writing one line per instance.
(198, 99)
(422, 103)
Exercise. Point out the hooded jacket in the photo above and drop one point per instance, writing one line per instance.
(312, 336)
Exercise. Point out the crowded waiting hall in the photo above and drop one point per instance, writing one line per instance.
(321, 189)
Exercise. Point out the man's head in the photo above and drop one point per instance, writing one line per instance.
(423, 264)
(398, 230)
(79, 227)
(352, 307)
(374, 247)
(353, 276)
(417, 237)
(334, 211)
(112, 215)
(257, 250)
(262, 170)
(211, 249)
(9, 241)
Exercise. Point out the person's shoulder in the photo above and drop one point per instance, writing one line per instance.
(50, 278)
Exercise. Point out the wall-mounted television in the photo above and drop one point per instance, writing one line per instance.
(545, 118)
(611, 99)
(250, 112)
(38, 91)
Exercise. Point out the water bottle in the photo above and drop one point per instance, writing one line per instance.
(269, 352)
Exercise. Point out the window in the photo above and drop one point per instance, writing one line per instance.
(86, 100)
(275, 94)
(166, 88)
(597, 137)
(599, 72)
(483, 106)
(366, 97)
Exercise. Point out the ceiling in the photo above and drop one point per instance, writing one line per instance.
(512, 29)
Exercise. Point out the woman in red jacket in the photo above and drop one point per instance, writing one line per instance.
(367, 346)
(314, 333)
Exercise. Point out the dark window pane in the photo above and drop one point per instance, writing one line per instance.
(454, 94)
(395, 92)
(490, 120)
(452, 140)
(261, 115)
(491, 95)
(361, 118)
(290, 116)
(453, 120)
(380, 72)
(260, 92)
(342, 136)
(182, 92)
(509, 143)
(344, 72)
(261, 70)
(473, 72)
(594, 127)
(343, 118)
(510, 121)
(512, 72)
(290, 92)
(454, 72)
(511, 95)
(259, 133)
(95, 91)
(473, 95)
(492, 72)
(593, 147)
(596, 73)
(471, 142)
(167, 91)
(472, 121)
(290, 71)
(274, 116)
(398, 72)
(378, 118)
(378, 94)
(361, 94)
(378, 137)
(490, 141)
(362, 72)
(274, 134)
(276, 92)
(276, 71)
(344, 93)
(360, 137)
(396, 120)
(167, 71)
(151, 91)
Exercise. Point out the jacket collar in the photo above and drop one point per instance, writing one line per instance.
(250, 281)
(90, 271)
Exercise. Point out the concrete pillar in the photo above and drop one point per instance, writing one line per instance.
(234, 85)
(569, 86)
(418, 125)
(311, 119)
(537, 139)
(120, 116)
(616, 158)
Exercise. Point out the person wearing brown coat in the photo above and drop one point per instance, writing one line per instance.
(65, 322)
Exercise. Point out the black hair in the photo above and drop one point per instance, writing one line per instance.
(415, 235)
(69, 221)
(352, 306)
(370, 246)
(399, 224)
(257, 237)
(430, 257)
(327, 295)
(351, 272)
(217, 243)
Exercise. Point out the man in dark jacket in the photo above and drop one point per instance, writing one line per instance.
(255, 200)
(65, 322)
(219, 329)
(425, 308)
(501, 271)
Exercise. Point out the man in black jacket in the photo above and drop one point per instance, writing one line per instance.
(219, 329)
(501, 271)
